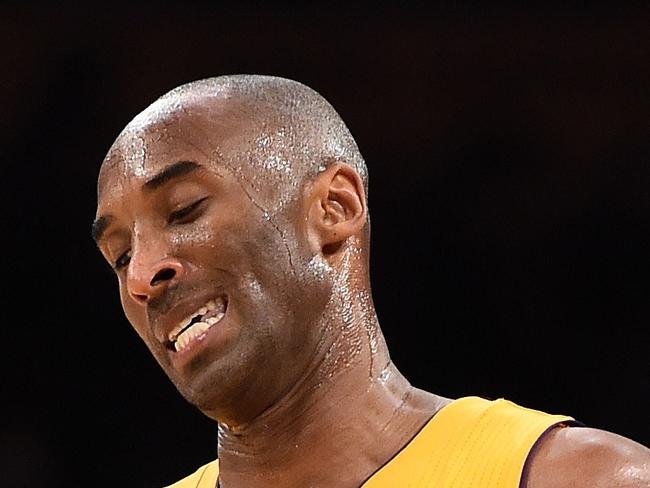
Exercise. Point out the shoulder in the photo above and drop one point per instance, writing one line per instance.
(580, 457)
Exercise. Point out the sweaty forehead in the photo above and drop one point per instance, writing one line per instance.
(255, 143)
(170, 131)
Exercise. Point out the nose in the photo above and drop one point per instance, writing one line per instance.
(149, 278)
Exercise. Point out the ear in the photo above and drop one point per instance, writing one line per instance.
(336, 207)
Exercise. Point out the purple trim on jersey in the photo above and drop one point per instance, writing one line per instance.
(523, 482)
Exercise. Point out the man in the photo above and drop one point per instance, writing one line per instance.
(234, 213)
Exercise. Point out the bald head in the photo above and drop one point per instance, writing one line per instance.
(273, 133)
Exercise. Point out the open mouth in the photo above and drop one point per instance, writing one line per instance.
(197, 324)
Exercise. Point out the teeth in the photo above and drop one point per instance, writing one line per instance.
(186, 337)
(215, 319)
(172, 335)
(182, 339)
(208, 307)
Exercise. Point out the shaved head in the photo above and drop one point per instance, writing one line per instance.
(287, 132)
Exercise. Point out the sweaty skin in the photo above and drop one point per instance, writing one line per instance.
(249, 191)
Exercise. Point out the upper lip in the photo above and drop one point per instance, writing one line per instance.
(164, 322)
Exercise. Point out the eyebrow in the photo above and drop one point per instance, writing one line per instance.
(174, 170)
(100, 225)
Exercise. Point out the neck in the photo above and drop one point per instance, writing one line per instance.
(337, 426)
(348, 414)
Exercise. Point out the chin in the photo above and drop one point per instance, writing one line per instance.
(214, 387)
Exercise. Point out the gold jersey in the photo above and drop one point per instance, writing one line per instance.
(470, 443)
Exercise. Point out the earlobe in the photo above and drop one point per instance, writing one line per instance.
(337, 207)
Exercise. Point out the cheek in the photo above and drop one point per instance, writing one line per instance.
(258, 260)
(202, 235)
(280, 279)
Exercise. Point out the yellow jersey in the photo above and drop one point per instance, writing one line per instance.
(469, 443)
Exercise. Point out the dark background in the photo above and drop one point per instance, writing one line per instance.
(508, 155)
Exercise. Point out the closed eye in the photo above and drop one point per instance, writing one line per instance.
(123, 260)
(185, 214)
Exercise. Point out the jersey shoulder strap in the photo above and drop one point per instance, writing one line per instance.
(204, 477)
(470, 443)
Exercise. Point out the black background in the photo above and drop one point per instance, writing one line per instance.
(508, 156)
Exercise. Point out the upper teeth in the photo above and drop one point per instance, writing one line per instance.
(181, 337)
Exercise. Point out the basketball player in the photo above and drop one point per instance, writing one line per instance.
(234, 213)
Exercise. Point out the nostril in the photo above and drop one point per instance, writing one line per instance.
(163, 275)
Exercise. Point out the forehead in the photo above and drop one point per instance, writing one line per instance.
(167, 132)
(256, 145)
